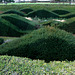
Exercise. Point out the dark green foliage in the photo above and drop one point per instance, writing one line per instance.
(46, 43)
(70, 15)
(42, 14)
(8, 29)
(19, 21)
(1, 41)
(68, 25)
(46, 23)
(26, 10)
(14, 12)
(61, 12)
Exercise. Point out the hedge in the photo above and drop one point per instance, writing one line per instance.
(8, 29)
(14, 12)
(47, 43)
(1, 40)
(19, 21)
(26, 10)
(61, 12)
(70, 15)
(68, 25)
(42, 14)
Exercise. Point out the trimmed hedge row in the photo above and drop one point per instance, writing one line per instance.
(42, 14)
(46, 43)
(8, 29)
(26, 10)
(14, 12)
(1, 41)
(19, 21)
(68, 25)
(70, 15)
(61, 12)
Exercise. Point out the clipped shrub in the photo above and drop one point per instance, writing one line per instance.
(68, 25)
(26, 10)
(47, 43)
(70, 15)
(1, 40)
(61, 12)
(14, 12)
(42, 14)
(19, 21)
(46, 23)
(8, 29)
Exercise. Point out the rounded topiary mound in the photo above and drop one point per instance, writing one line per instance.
(61, 12)
(26, 10)
(8, 29)
(42, 14)
(46, 43)
(19, 22)
(14, 12)
(1, 41)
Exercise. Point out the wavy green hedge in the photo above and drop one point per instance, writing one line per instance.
(42, 14)
(46, 43)
(70, 15)
(26, 11)
(8, 29)
(61, 12)
(19, 21)
(14, 12)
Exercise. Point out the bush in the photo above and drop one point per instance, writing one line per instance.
(1, 41)
(8, 29)
(46, 43)
(61, 12)
(19, 21)
(42, 14)
(70, 15)
(26, 10)
(14, 12)
(46, 23)
(68, 25)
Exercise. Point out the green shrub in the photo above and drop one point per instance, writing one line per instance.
(46, 23)
(19, 21)
(70, 15)
(14, 12)
(26, 10)
(1, 41)
(46, 43)
(61, 12)
(8, 29)
(68, 25)
(42, 14)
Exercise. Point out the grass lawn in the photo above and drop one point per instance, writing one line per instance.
(33, 3)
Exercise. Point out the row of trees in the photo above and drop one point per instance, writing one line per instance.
(6, 1)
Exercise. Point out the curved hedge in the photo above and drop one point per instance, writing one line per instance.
(26, 10)
(68, 25)
(19, 21)
(46, 43)
(61, 12)
(70, 15)
(8, 29)
(1, 41)
(14, 12)
(43, 14)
